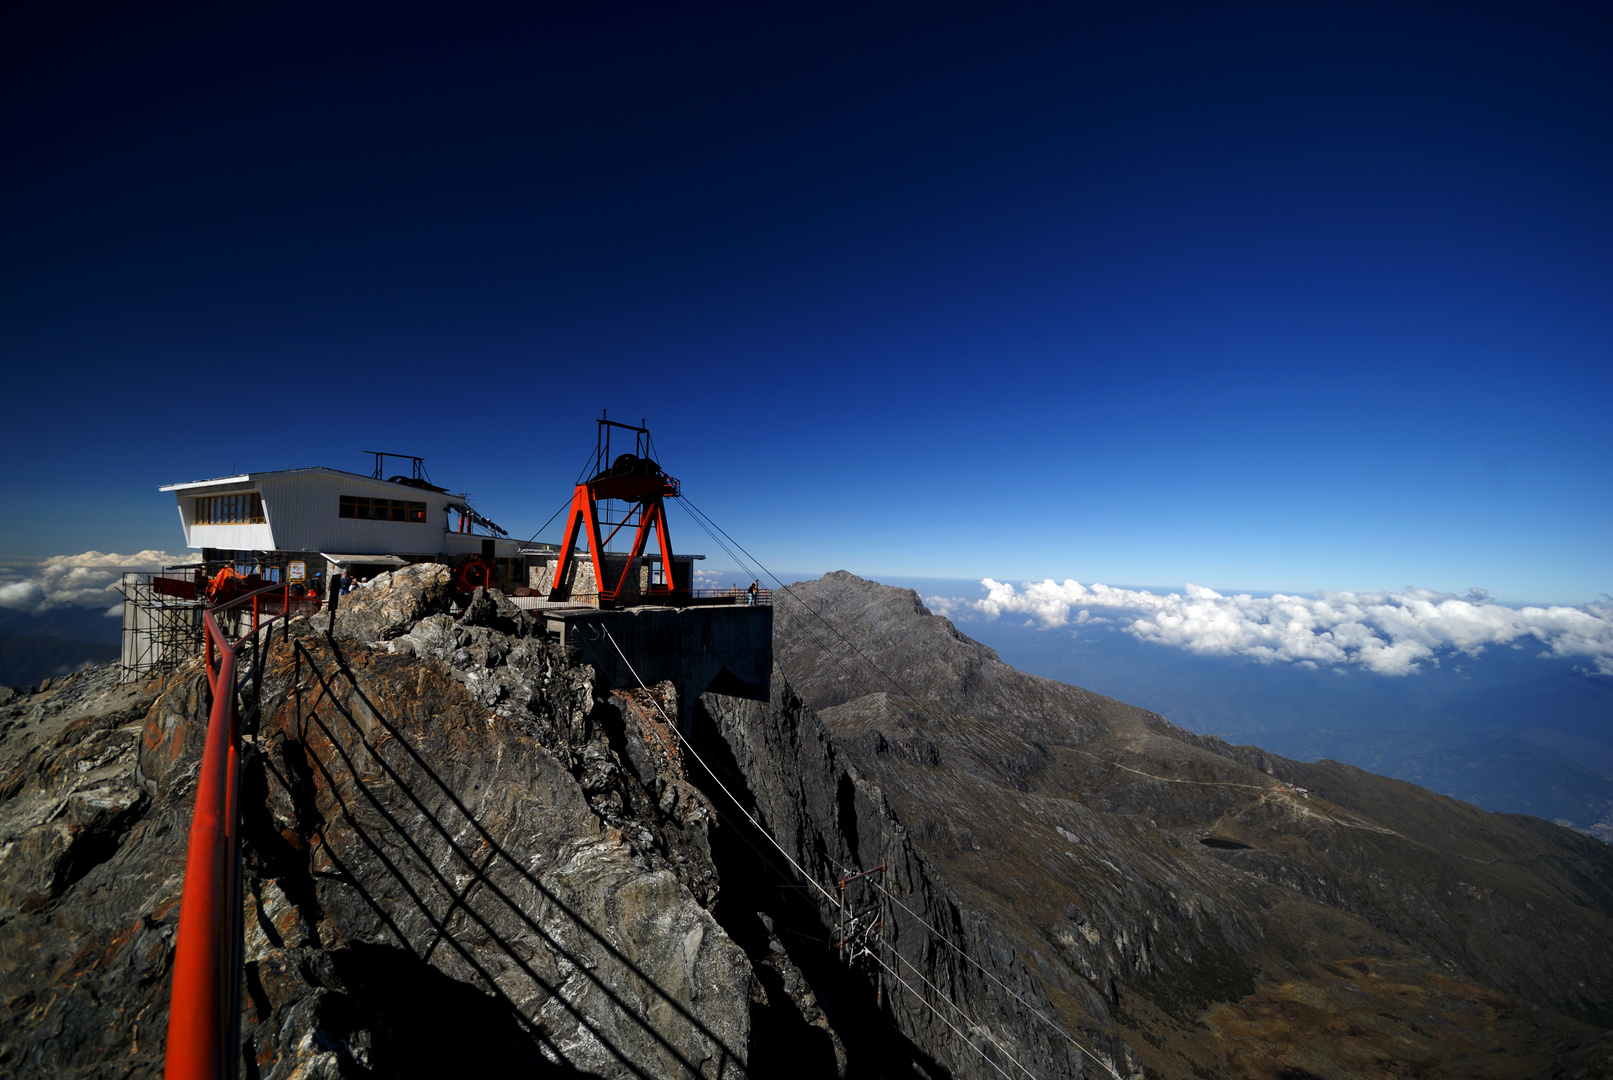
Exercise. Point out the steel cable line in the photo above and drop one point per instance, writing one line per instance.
(1033, 1009)
(818, 615)
(563, 505)
(833, 900)
(546, 524)
(674, 728)
(943, 996)
(765, 861)
(983, 970)
(795, 622)
(749, 570)
(698, 515)
(950, 1024)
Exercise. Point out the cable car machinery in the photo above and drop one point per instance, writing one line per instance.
(637, 480)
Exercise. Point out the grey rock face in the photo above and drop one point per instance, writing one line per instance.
(86, 924)
(439, 829)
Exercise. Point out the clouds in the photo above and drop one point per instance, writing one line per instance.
(1391, 633)
(88, 579)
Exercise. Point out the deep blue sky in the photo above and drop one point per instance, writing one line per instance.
(1263, 297)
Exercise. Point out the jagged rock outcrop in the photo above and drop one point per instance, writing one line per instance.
(390, 604)
(501, 849)
(91, 856)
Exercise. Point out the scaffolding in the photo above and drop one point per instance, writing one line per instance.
(162, 614)
(162, 622)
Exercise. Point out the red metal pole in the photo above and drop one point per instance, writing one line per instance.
(230, 945)
(590, 508)
(196, 1012)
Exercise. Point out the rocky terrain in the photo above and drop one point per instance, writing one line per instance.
(464, 852)
(1185, 895)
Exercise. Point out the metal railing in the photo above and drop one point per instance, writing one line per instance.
(733, 596)
(204, 1011)
(162, 619)
(678, 598)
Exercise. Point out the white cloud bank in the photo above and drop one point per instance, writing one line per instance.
(1391, 633)
(88, 580)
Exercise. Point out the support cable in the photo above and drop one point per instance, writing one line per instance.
(1033, 1009)
(942, 995)
(794, 621)
(833, 900)
(699, 514)
(674, 728)
(546, 524)
(966, 1040)
(816, 614)
(557, 513)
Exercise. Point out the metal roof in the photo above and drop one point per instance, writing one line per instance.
(245, 478)
(368, 560)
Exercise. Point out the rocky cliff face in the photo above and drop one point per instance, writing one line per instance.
(463, 852)
(1184, 897)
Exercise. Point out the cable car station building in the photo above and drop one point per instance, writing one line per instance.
(328, 519)
(331, 521)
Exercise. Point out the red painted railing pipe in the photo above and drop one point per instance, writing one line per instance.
(202, 1006)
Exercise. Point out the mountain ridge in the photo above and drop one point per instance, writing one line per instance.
(1470, 886)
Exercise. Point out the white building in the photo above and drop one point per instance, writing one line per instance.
(333, 520)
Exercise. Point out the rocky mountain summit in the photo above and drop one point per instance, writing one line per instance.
(464, 852)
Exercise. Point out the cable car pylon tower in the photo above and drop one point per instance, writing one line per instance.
(629, 477)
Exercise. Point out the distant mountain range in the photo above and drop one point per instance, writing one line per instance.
(37, 647)
(1507, 730)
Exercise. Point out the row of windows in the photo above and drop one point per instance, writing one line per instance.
(243, 509)
(367, 509)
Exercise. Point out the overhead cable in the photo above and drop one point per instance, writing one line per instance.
(835, 901)
(699, 514)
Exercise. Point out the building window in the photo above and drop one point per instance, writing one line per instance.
(367, 509)
(244, 508)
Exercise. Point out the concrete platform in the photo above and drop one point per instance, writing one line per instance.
(728, 648)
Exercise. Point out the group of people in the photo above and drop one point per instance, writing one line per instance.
(343, 583)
